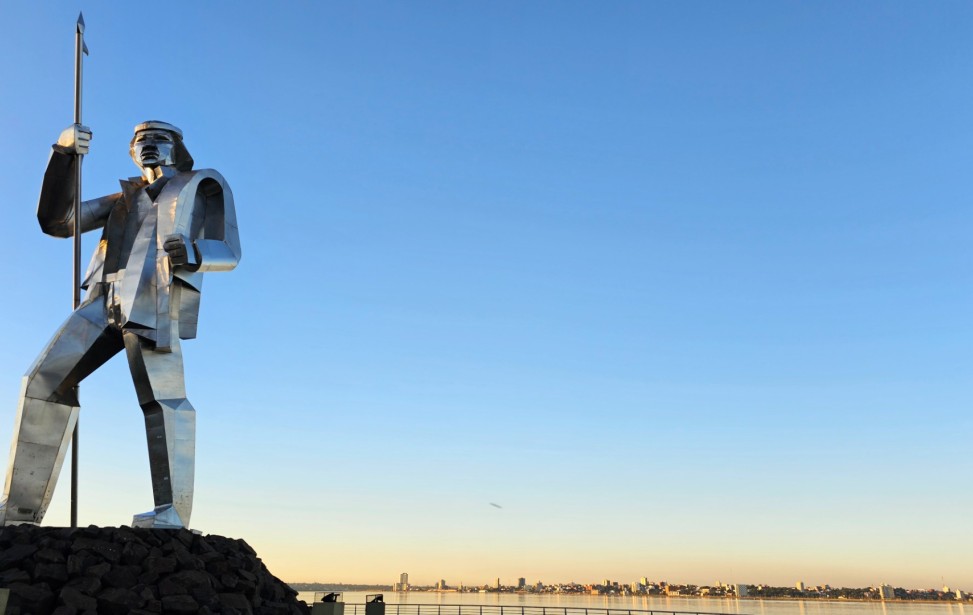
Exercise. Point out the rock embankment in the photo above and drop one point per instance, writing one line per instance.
(64, 571)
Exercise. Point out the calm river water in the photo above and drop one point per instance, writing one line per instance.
(661, 603)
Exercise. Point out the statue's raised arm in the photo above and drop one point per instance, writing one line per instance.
(55, 206)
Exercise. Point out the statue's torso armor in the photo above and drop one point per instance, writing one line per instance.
(143, 293)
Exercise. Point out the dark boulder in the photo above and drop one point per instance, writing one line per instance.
(74, 599)
(126, 570)
(118, 601)
(179, 604)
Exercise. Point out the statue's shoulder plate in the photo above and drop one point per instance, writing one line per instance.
(178, 201)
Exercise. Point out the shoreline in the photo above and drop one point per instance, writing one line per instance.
(839, 600)
(663, 596)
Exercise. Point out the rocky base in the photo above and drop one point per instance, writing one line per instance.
(123, 570)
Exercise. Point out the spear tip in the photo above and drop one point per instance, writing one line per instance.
(80, 23)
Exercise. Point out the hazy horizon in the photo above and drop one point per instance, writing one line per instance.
(430, 587)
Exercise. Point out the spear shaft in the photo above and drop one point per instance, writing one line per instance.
(79, 49)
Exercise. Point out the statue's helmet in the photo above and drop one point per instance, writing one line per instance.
(158, 143)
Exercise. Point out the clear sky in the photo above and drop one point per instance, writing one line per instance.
(684, 287)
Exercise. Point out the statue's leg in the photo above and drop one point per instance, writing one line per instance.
(48, 410)
(170, 426)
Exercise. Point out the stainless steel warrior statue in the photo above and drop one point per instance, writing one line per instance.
(159, 235)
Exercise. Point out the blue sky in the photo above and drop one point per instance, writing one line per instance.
(685, 287)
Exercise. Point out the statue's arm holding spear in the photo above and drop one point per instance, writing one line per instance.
(55, 207)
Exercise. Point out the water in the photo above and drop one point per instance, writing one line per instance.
(663, 603)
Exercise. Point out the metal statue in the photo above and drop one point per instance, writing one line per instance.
(160, 234)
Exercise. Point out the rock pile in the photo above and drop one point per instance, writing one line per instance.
(63, 571)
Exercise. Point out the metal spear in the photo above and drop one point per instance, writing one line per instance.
(79, 49)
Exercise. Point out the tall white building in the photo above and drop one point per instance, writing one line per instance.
(886, 592)
(800, 586)
(404, 582)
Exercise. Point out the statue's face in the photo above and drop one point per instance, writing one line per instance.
(153, 148)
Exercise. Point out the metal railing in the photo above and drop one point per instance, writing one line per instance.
(497, 609)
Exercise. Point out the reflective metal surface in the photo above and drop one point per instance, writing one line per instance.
(160, 234)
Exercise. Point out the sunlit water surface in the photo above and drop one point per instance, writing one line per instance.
(662, 603)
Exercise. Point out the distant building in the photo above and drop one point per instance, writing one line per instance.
(404, 582)
(800, 586)
(885, 592)
(521, 583)
(441, 584)
(498, 583)
(644, 581)
(740, 590)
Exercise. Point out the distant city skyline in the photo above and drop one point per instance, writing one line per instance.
(645, 586)
(521, 582)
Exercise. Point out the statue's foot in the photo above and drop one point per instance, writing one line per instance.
(13, 520)
(162, 518)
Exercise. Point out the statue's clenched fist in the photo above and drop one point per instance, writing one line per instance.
(180, 251)
(76, 139)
